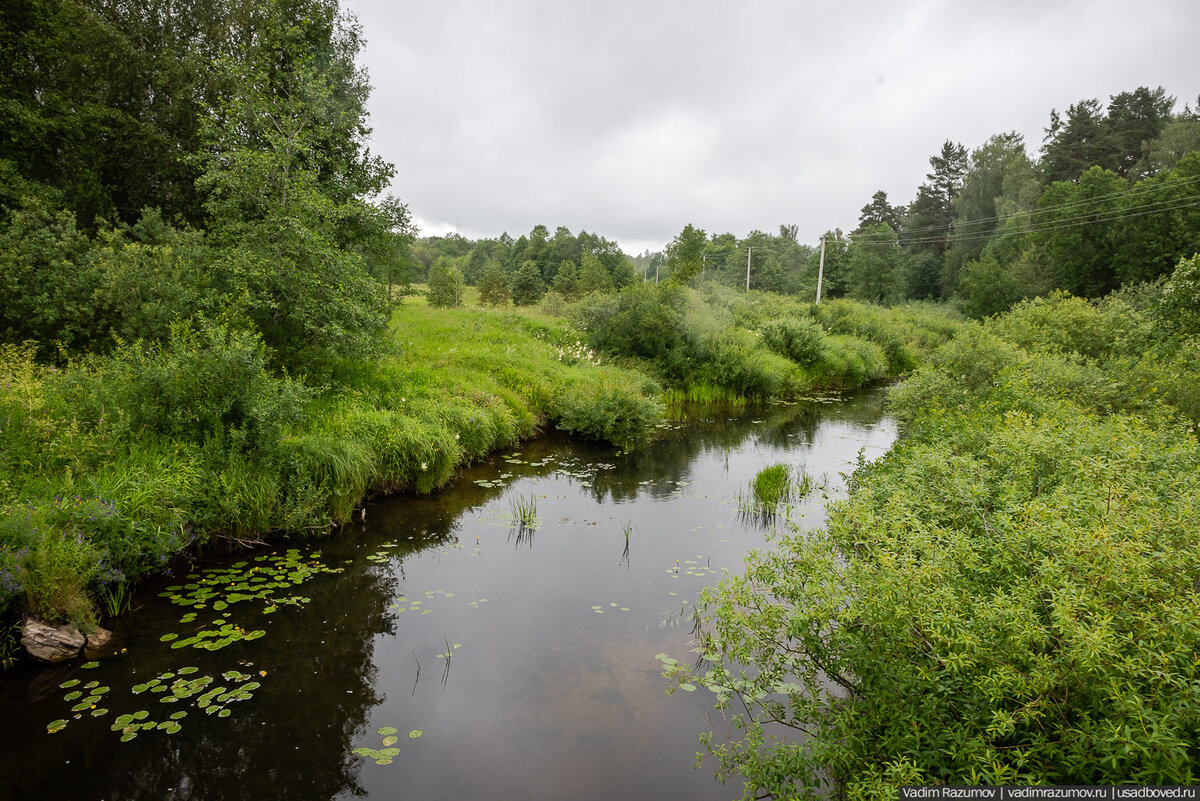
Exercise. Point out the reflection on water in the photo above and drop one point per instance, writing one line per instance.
(524, 655)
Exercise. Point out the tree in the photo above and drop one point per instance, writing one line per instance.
(1180, 137)
(879, 211)
(874, 265)
(592, 276)
(685, 254)
(493, 288)
(975, 205)
(1134, 120)
(527, 285)
(566, 280)
(445, 284)
(1073, 145)
(1074, 227)
(285, 177)
(926, 232)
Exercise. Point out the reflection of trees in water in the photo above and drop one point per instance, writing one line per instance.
(670, 458)
(667, 459)
(293, 739)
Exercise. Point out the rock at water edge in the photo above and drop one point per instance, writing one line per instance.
(51, 643)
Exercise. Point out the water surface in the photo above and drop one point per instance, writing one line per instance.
(551, 690)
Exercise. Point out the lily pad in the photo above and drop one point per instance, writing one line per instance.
(387, 730)
(89, 665)
(387, 741)
(56, 726)
(414, 734)
(68, 683)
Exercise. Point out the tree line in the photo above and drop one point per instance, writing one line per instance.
(164, 162)
(1112, 199)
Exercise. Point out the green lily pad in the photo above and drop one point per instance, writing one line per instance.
(89, 665)
(414, 734)
(56, 726)
(387, 730)
(68, 683)
(72, 696)
(390, 740)
(167, 637)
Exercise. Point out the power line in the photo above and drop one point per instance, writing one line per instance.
(1134, 191)
(1111, 215)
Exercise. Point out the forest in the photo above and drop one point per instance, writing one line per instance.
(218, 329)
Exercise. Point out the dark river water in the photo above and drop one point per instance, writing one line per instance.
(550, 690)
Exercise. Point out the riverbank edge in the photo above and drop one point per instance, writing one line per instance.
(407, 423)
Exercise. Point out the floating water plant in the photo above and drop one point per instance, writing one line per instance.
(385, 755)
(242, 581)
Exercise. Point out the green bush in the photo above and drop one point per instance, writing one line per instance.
(1005, 598)
(799, 339)
(643, 320)
(446, 285)
(205, 385)
(607, 409)
(734, 359)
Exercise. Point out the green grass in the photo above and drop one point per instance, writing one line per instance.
(113, 466)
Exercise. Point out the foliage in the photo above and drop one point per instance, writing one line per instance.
(445, 285)
(988, 605)
(800, 339)
(280, 200)
(527, 285)
(493, 288)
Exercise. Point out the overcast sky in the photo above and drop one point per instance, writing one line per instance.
(633, 119)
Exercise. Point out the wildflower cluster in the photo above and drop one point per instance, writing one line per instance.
(574, 354)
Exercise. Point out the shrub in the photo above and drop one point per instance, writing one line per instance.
(799, 339)
(446, 285)
(493, 288)
(607, 408)
(206, 384)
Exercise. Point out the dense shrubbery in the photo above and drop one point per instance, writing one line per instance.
(1008, 596)
(761, 345)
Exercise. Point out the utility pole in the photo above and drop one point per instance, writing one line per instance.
(821, 271)
(749, 250)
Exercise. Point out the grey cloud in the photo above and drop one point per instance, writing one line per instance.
(633, 119)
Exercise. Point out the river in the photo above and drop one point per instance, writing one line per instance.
(453, 654)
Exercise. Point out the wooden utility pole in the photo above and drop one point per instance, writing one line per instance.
(821, 271)
(749, 250)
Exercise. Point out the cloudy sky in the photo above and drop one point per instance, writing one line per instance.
(633, 119)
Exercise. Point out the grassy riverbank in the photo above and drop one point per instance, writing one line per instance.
(114, 465)
(1008, 596)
